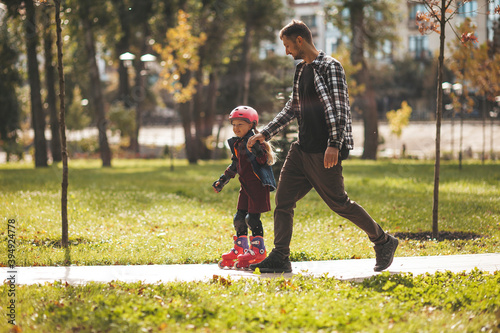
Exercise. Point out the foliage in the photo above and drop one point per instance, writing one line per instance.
(474, 66)
(140, 212)
(350, 70)
(461, 59)
(77, 115)
(370, 24)
(400, 303)
(86, 145)
(122, 120)
(180, 56)
(399, 119)
(380, 20)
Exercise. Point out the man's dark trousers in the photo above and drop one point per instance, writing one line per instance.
(300, 173)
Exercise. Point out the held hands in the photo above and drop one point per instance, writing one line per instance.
(257, 150)
(257, 137)
(331, 157)
(220, 183)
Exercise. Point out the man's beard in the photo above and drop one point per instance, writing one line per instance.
(299, 56)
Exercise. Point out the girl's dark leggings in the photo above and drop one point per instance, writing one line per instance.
(244, 221)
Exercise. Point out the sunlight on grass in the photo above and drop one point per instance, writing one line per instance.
(442, 302)
(141, 212)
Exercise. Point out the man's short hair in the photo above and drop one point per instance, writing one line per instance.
(296, 28)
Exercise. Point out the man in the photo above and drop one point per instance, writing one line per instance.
(320, 102)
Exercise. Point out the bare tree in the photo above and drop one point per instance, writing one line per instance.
(62, 127)
(440, 12)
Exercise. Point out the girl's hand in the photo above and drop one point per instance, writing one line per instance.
(257, 137)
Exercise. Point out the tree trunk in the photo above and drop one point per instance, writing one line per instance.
(37, 114)
(138, 98)
(186, 114)
(439, 113)
(123, 46)
(191, 152)
(199, 112)
(247, 56)
(211, 109)
(366, 102)
(50, 82)
(62, 126)
(97, 97)
(370, 117)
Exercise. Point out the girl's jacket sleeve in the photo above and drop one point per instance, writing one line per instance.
(232, 169)
(260, 152)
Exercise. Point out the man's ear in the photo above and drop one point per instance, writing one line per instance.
(299, 40)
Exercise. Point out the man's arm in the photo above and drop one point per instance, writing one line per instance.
(275, 126)
(332, 90)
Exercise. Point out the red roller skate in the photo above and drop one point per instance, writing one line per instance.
(254, 255)
(240, 246)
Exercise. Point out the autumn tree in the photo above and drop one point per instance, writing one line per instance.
(62, 126)
(399, 119)
(181, 60)
(438, 15)
(460, 62)
(370, 24)
(479, 67)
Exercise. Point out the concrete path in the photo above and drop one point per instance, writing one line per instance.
(353, 270)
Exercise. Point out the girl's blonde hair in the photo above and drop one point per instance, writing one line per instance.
(271, 155)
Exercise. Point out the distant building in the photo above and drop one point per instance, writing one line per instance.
(327, 37)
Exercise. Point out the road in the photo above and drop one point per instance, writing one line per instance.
(418, 137)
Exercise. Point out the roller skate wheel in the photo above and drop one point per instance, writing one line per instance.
(240, 266)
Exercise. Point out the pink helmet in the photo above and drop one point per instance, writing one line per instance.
(245, 113)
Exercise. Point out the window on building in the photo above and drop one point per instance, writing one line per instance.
(304, 2)
(419, 46)
(385, 51)
(467, 9)
(309, 20)
(414, 9)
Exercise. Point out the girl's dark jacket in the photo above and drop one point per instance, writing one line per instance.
(263, 171)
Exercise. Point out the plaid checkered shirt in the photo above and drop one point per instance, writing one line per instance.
(331, 87)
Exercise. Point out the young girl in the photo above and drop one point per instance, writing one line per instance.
(257, 180)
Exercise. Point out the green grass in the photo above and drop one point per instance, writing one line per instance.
(141, 212)
(444, 302)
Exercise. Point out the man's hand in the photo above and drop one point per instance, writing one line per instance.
(331, 157)
(257, 137)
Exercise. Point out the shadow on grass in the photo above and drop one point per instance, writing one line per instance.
(443, 235)
(57, 243)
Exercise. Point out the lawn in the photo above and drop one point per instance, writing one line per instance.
(443, 302)
(141, 212)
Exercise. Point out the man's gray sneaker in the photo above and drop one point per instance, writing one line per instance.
(385, 253)
(273, 264)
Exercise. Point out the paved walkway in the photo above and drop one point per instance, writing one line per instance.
(353, 270)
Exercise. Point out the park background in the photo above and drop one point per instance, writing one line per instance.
(149, 85)
(177, 68)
